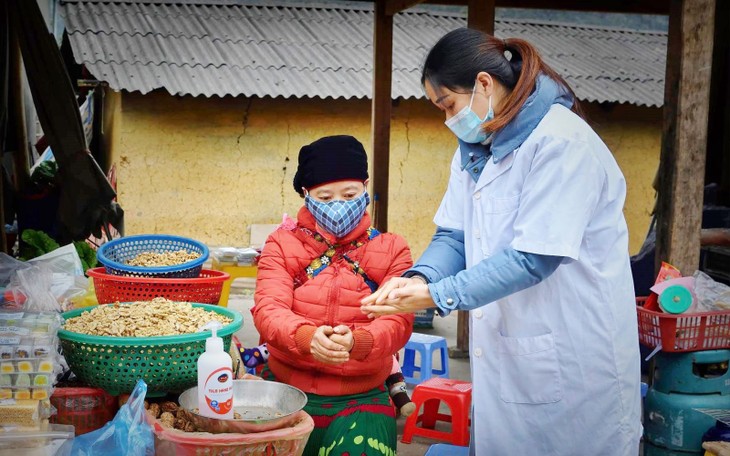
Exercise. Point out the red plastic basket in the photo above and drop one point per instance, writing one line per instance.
(87, 409)
(289, 441)
(205, 289)
(683, 332)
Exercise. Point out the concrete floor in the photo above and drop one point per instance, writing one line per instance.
(241, 299)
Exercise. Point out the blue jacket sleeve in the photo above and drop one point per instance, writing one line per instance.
(443, 257)
(493, 278)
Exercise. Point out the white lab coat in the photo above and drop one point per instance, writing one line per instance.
(555, 367)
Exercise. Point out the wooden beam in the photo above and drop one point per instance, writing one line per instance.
(684, 137)
(396, 6)
(381, 112)
(610, 6)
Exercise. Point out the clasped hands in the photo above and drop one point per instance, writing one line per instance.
(332, 345)
(399, 295)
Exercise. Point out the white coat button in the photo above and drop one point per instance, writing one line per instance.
(476, 234)
(478, 313)
(478, 352)
(477, 195)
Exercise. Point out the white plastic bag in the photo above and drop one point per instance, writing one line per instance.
(711, 296)
(50, 281)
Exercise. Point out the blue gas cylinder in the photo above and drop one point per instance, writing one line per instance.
(684, 382)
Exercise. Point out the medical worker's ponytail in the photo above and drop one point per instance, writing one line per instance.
(457, 58)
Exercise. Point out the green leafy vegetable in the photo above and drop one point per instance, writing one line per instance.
(37, 243)
(86, 253)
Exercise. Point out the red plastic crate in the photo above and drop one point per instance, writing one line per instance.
(205, 289)
(683, 332)
(87, 409)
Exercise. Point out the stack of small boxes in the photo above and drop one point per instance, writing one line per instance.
(29, 363)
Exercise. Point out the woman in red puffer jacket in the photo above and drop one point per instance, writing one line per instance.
(312, 274)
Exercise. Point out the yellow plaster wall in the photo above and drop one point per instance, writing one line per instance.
(209, 168)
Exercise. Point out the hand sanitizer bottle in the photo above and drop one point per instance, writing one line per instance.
(215, 378)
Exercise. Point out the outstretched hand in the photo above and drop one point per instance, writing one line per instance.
(398, 295)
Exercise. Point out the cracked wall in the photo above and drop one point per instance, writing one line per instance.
(208, 168)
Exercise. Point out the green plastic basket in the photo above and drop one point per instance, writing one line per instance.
(168, 364)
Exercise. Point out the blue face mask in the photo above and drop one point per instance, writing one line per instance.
(338, 217)
(466, 124)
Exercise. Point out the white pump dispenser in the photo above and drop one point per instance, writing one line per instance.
(215, 378)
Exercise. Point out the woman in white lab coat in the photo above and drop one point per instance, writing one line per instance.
(532, 240)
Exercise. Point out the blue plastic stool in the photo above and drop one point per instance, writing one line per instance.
(425, 345)
(444, 449)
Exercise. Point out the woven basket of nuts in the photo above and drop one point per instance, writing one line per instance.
(112, 346)
(153, 255)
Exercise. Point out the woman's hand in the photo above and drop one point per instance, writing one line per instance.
(343, 336)
(325, 350)
(398, 295)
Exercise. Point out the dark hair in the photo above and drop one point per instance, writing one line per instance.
(456, 59)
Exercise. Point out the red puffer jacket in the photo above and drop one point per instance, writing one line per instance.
(286, 315)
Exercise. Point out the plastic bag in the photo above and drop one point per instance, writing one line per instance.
(8, 267)
(128, 434)
(86, 299)
(711, 296)
(50, 282)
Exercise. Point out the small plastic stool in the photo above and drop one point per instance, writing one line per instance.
(456, 394)
(424, 344)
(444, 449)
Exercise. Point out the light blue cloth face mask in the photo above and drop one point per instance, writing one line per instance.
(338, 217)
(466, 124)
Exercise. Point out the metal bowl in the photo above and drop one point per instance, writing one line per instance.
(263, 406)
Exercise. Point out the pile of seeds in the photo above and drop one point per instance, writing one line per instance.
(158, 259)
(159, 317)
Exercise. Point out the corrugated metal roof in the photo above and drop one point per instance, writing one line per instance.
(256, 48)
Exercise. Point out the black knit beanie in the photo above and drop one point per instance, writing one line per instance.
(329, 159)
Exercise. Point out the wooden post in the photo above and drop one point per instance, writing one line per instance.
(480, 17)
(381, 111)
(382, 103)
(684, 137)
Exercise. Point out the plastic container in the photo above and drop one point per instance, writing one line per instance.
(289, 441)
(166, 363)
(205, 289)
(87, 409)
(42, 442)
(115, 254)
(675, 299)
(215, 378)
(683, 332)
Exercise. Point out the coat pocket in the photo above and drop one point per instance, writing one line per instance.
(500, 205)
(529, 372)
